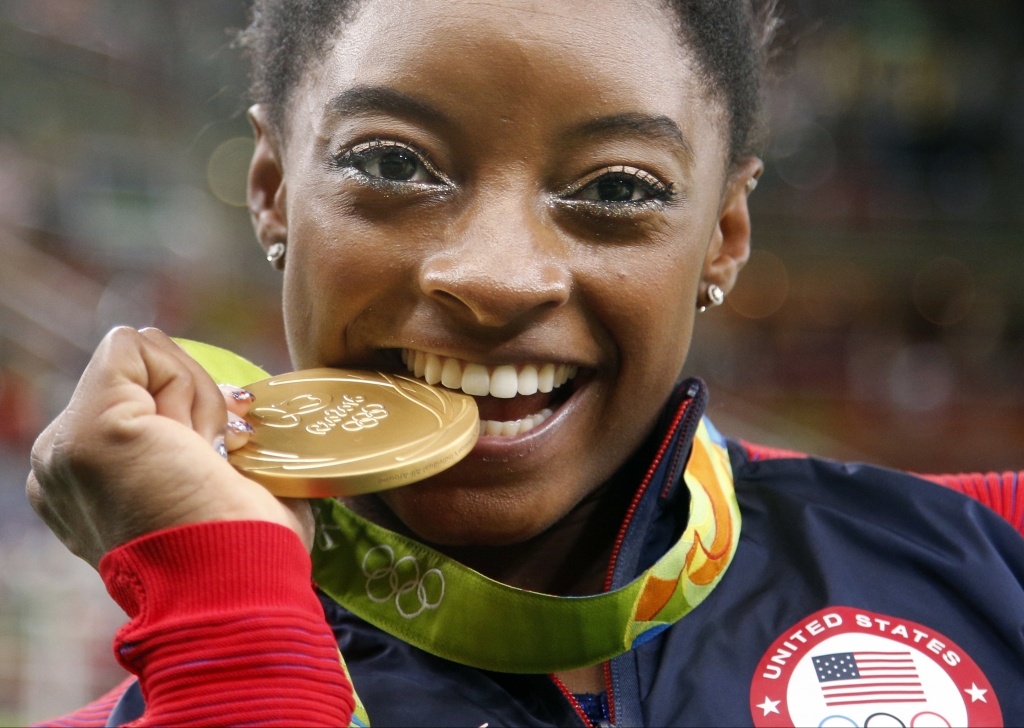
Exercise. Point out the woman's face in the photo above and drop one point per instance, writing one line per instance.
(502, 189)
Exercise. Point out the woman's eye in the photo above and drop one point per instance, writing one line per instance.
(613, 188)
(390, 162)
(619, 186)
(397, 165)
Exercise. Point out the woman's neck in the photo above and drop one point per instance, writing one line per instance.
(568, 559)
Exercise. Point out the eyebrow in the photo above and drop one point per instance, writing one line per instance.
(657, 127)
(382, 99)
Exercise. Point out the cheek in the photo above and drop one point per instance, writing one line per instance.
(646, 299)
(337, 267)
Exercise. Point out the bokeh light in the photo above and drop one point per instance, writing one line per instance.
(834, 293)
(227, 170)
(804, 156)
(762, 287)
(921, 378)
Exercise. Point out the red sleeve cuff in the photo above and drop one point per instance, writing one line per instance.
(210, 568)
(225, 627)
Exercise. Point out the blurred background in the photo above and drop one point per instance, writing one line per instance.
(881, 317)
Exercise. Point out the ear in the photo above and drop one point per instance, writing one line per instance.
(266, 189)
(730, 243)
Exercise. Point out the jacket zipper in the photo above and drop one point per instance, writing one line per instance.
(681, 414)
(572, 700)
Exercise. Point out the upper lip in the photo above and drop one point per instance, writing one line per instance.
(517, 358)
(493, 363)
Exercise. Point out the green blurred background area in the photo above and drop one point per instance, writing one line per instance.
(881, 317)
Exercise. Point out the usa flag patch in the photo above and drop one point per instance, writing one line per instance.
(850, 667)
(851, 678)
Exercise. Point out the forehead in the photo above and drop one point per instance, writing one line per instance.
(522, 61)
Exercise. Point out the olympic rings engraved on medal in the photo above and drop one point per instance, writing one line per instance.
(366, 417)
(397, 590)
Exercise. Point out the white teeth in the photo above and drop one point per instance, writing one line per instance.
(546, 378)
(511, 428)
(475, 380)
(432, 370)
(451, 374)
(528, 380)
(493, 427)
(504, 382)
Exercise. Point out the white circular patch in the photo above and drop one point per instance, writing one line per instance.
(843, 667)
(896, 685)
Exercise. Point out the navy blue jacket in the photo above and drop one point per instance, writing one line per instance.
(817, 536)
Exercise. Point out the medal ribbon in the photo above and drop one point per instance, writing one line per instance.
(438, 605)
(449, 610)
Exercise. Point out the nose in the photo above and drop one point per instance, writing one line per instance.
(501, 267)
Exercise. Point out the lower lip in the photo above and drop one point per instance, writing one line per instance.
(517, 445)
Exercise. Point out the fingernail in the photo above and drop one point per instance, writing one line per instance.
(239, 394)
(243, 395)
(218, 445)
(240, 426)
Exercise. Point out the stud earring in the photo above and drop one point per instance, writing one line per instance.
(715, 297)
(751, 184)
(275, 255)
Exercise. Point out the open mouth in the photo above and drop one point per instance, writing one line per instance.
(512, 399)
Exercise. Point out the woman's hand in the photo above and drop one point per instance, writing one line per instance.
(136, 451)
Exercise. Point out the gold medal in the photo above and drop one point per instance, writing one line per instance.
(337, 432)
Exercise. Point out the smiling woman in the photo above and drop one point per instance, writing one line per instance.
(528, 202)
(550, 216)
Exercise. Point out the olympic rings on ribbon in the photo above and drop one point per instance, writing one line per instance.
(396, 590)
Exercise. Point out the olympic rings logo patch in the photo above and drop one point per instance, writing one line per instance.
(401, 580)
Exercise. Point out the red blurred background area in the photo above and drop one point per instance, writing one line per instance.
(881, 316)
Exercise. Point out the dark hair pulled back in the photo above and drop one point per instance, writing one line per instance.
(729, 39)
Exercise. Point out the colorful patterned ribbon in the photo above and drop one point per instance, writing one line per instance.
(432, 602)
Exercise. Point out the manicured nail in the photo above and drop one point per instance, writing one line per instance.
(240, 426)
(239, 394)
(218, 445)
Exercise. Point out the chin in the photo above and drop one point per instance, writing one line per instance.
(450, 515)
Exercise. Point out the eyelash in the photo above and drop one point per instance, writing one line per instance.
(658, 192)
(360, 154)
